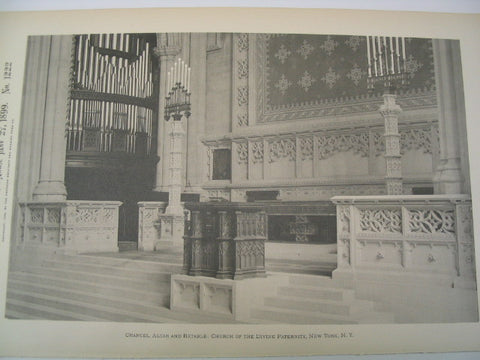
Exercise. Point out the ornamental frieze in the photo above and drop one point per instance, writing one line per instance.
(328, 145)
(410, 139)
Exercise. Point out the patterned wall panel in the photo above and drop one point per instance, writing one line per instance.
(305, 76)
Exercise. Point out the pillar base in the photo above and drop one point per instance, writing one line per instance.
(172, 230)
(448, 179)
(50, 191)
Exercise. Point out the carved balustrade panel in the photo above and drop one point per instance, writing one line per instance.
(42, 224)
(436, 221)
(380, 220)
(420, 234)
(79, 226)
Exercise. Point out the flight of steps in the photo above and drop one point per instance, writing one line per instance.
(97, 288)
(307, 299)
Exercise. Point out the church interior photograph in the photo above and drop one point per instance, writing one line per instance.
(242, 178)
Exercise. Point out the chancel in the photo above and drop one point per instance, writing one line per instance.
(223, 177)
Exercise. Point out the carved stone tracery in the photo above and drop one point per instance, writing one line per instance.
(381, 220)
(242, 152)
(241, 71)
(328, 145)
(306, 148)
(257, 151)
(282, 149)
(431, 221)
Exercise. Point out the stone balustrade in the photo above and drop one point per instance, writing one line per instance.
(226, 241)
(73, 226)
(422, 236)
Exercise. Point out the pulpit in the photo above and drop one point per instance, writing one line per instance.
(225, 240)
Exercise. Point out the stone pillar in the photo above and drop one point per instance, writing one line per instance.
(51, 186)
(169, 46)
(195, 171)
(448, 77)
(177, 134)
(393, 160)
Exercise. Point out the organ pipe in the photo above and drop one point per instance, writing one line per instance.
(107, 65)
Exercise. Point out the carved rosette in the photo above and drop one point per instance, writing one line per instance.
(240, 83)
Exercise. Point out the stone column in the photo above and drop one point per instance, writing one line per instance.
(177, 134)
(169, 46)
(51, 186)
(448, 77)
(393, 160)
(195, 153)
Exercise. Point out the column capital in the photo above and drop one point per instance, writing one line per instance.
(167, 52)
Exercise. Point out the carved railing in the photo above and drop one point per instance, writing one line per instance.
(77, 226)
(426, 235)
(225, 240)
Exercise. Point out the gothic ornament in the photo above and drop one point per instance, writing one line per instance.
(282, 149)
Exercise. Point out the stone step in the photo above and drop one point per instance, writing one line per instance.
(50, 285)
(320, 305)
(127, 245)
(154, 282)
(320, 281)
(168, 257)
(102, 269)
(267, 314)
(26, 310)
(99, 311)
(315, 292)
(29, 305)
(84, 297)
(139, 262)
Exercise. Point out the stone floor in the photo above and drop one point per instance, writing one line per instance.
(325, 264)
